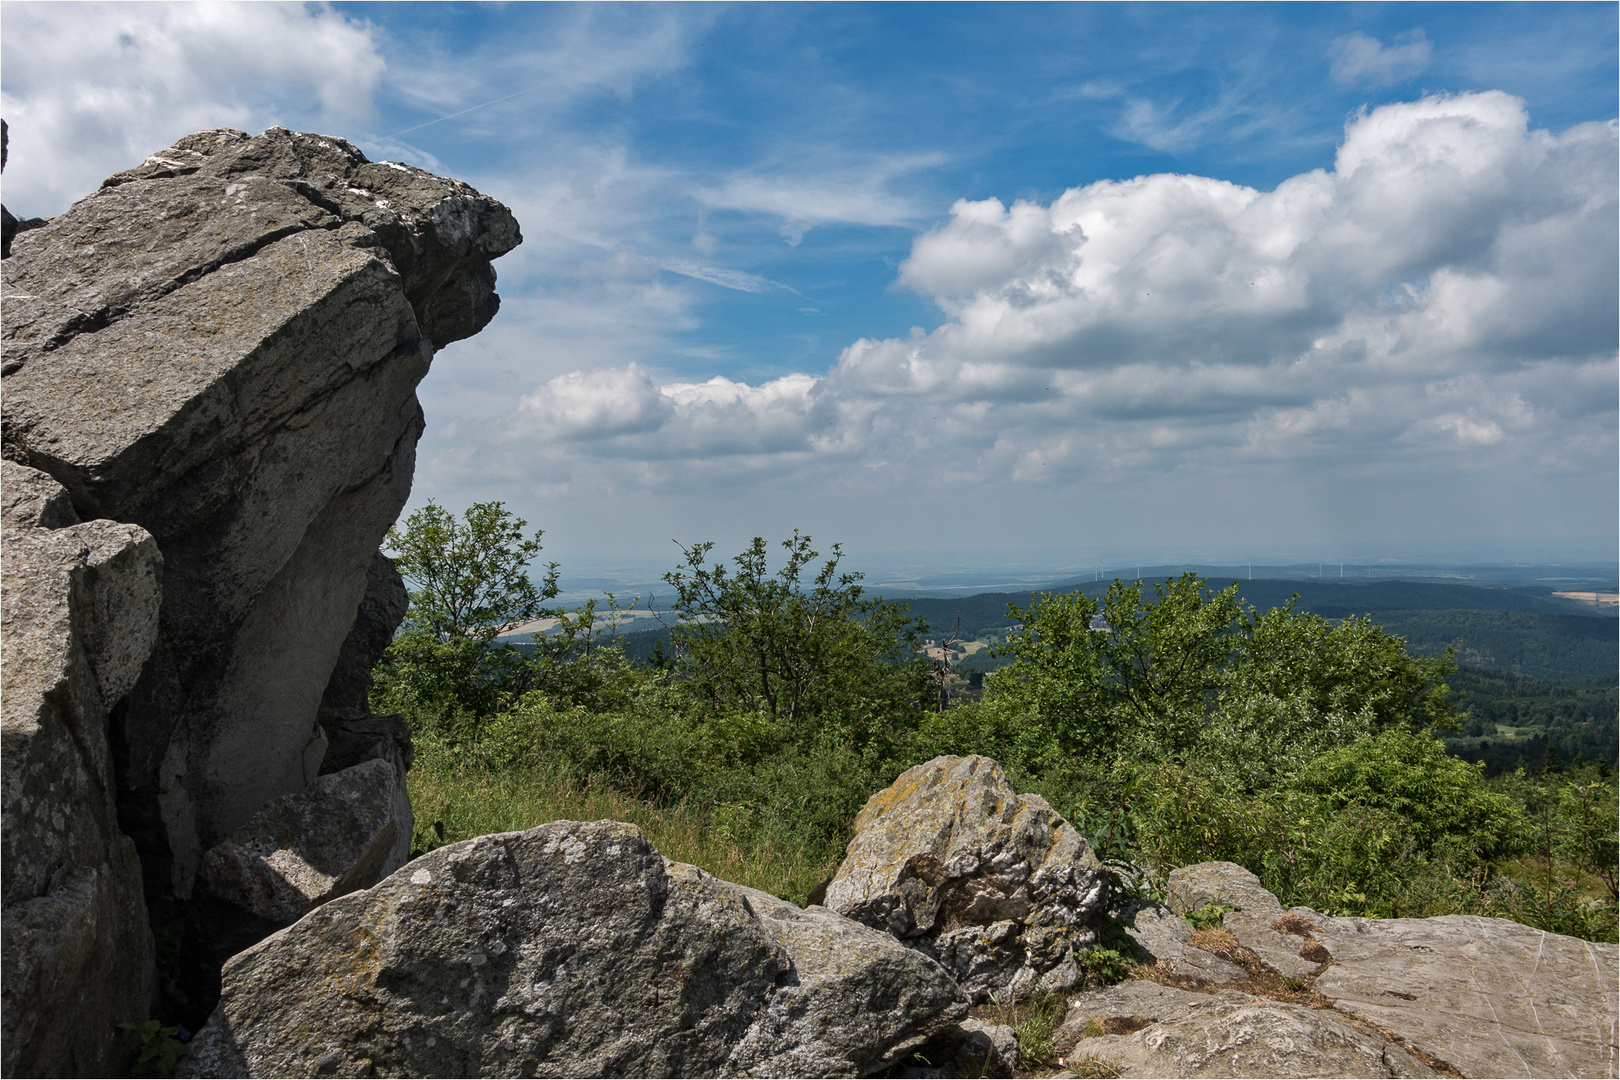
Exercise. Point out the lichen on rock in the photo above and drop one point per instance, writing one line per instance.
(995, 885)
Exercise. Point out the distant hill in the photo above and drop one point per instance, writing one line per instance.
(1551, 648)
(1521, 631)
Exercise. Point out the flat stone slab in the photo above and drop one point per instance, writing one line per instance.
(1491, 997)
(1231, 1035)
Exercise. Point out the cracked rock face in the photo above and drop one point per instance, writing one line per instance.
(219, 349)
(1491, 997)
(995, 885)
(80, 602)
(571, 949)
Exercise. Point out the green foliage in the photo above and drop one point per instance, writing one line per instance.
(1537, 645)
(469, 578)
(462, 794)
(468, 583)
(160, 1048)
(1443, 801)
(1194, 674)
(1297, 685)
(1587, 835)
(1091, 677)
(812, 653)
(1034, 1020)
(758, 776)
(1170, 729)
(1209, 917)
(1103, 965)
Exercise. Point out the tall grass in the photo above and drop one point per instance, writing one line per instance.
(457, 797)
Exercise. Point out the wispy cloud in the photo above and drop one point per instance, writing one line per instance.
(808, 192)
(1362, 60)
(718, 275)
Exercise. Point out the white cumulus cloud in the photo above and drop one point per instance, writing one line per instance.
(1438, 294)
(92, 88)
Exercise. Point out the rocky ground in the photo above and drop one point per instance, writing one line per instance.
(575, 949)
(1269, 992)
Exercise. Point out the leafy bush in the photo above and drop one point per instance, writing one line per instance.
(160, 1048)
(1196, 675)
(1444, 802)
(817, 656)
(468, 583)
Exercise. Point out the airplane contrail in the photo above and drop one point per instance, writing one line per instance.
(463, 112)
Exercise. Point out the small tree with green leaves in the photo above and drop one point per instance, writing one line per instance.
(804, 646)
(469, 583)
(1093, 679)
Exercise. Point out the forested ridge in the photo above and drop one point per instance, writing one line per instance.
(1172, 721)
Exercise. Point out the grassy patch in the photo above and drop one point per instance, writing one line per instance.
(1035, 1019)
(456, 798)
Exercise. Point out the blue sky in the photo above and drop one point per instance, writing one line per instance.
(1189, 279)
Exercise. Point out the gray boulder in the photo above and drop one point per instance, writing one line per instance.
(222, 347)
(995, 885)
(569, 950)
(80, 604)
(345, 832)
(304, 849)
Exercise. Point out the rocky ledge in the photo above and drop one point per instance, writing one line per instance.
(1274, 992)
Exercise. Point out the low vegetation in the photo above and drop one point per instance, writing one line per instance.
(1171, 726)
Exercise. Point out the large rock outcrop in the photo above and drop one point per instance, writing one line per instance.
(570, 950)
(219, 349)
(995, 885)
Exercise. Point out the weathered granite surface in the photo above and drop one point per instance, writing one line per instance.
(1162, 939)
(1230, 1035)
(1483, 997)
(1491, 996)
(1254, 910)
(995, 885)
(382, 609)
(79, 602)
(570, 950)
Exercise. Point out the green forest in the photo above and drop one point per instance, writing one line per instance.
(1171, 722)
